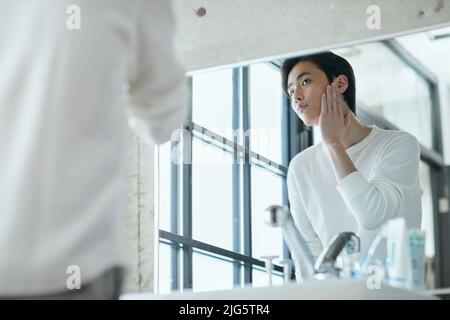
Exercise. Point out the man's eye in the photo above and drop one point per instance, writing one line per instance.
(305, 81)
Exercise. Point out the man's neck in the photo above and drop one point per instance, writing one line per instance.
(355, 133)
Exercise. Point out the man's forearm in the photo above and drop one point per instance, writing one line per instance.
(342, 164)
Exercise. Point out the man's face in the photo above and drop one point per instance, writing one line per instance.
(306, 83)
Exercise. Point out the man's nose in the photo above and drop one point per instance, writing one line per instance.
(298, 96)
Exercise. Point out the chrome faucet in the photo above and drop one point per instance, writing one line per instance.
(278, 216)
(345, 242)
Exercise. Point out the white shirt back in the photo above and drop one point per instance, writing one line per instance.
(63, 112)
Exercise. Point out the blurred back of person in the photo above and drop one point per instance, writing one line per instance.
(72, 74)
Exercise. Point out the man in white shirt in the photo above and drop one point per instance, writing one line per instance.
(66, 90)
(358, 177)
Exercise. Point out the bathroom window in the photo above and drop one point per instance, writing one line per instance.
(211, 204)
(212, 103)
(396, 91)
(167, 255)
(165, 195)
(212, 198)
(389, 87)
(266, 190)
(265, 111)
(211, 272)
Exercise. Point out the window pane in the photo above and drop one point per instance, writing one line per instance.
(212, 101)
(165, 268)
(389, 87)
(212, 195)
(427, 209)
(265, 111)
(317, 135)
(266, 190)
(261, 278)
(432, 54)
(165, 193)
(210, 273)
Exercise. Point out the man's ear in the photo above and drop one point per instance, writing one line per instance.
(341, 83)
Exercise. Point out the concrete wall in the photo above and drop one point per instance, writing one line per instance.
(139, 216)
(236, 32)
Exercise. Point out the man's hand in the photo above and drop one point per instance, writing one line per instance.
(333, 123)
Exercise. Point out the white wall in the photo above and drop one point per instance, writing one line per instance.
(240, 31)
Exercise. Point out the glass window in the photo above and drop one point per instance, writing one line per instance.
(317, 135)
(387, 86)
(212, 102)
(427, 209)
(211, 186)
(165, 193)
(266, 190)
(212, 212)
(165, 268)
(265, 111)
(210, 273)
(431, 53)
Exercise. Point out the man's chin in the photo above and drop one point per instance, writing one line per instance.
(308, 122)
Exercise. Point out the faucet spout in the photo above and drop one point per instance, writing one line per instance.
(346, 242)
(278, 216)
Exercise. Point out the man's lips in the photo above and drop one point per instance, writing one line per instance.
(301, 107)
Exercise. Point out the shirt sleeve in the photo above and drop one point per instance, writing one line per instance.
(157, 101)
(301, 220)
(375, 200)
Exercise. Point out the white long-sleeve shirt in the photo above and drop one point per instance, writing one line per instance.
(385, 185)
(63, 123)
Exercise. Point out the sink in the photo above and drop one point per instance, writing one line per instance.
(335, 289)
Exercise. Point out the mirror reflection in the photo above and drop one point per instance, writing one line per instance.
(255, 143)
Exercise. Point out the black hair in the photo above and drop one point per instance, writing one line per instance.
(332, 65)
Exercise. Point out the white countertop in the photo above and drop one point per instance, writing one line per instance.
(335, 289)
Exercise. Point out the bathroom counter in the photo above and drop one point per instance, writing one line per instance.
(313, 290)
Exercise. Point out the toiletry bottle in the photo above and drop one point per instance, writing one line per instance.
(416, 260)
(396, 252)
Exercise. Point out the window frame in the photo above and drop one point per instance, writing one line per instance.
(433, 157)
(180, 234)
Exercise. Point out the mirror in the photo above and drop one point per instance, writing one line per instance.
(241, 114)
